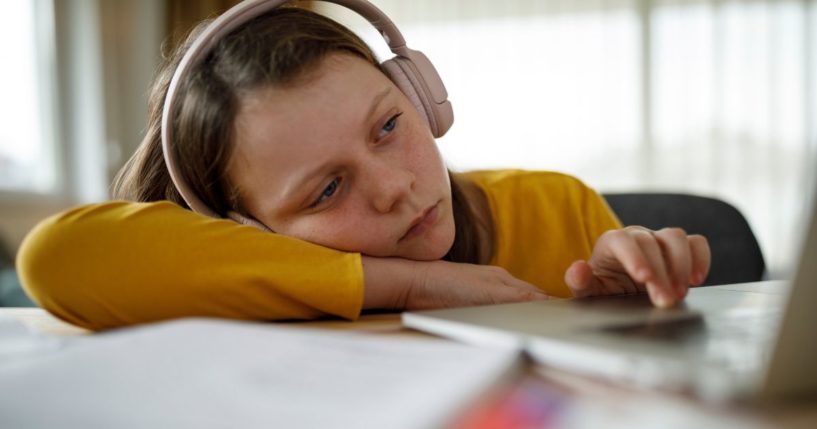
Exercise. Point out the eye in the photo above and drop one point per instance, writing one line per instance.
(327, 193)
(389, 126)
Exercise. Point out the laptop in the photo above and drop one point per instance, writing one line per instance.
(750, 341)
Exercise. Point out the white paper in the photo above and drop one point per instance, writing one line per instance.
(202, 373)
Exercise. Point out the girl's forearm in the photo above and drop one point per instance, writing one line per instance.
(386, 282)
(403, 284)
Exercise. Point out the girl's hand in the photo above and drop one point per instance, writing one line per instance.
(442, 284)
(634, 259)
(418, 285)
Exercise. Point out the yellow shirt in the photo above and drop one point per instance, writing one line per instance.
(121, 263)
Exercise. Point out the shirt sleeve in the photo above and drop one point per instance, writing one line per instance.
(122, 263)
(598, 216)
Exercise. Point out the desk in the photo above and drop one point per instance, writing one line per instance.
(602, 404)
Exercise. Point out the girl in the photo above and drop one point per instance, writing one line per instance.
(290, 121)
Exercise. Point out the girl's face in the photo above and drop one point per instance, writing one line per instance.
(344, 160)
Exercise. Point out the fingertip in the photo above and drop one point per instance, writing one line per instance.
(663, 300)
(700, 277)
(701, 257)
(576, 265)
(574, 276)
(531, 295)
(660, 297)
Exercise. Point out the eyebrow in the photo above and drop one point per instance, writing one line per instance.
(378, 98)
(291, 191)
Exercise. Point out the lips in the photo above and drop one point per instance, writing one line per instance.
(422, 222)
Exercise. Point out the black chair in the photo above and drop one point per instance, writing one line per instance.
(11, 293)
(6, 259)
(736, 255)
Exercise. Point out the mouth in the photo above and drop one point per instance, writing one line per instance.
(422, 222)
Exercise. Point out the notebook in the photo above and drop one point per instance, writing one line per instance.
(728, 342)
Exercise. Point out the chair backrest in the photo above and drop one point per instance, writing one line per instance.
(6, 258)
(736, 255)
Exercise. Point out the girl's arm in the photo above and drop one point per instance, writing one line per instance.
(119, 263)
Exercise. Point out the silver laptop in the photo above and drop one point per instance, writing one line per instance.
(729, 342)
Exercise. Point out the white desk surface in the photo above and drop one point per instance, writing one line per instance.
(599, 402)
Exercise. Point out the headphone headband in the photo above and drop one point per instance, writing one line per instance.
(249, 9)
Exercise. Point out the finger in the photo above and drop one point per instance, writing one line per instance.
(701, 258)
(579, 279)
(626, 285)
(525, 289)
(526, 292)
(658, 283)
(644, 267)
(583, 281)
(677, 258)
(528, 288)
(629, 254)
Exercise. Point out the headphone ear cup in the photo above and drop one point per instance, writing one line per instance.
(419, 81)
(407, 83)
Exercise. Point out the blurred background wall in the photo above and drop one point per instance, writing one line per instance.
(709, 97)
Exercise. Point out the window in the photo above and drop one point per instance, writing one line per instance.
(27, 161)
(712, 97)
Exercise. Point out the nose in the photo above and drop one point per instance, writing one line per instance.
(389, 185)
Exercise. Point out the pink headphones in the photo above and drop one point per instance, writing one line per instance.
(410, 70)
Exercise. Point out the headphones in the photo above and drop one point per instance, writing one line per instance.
(410, 70)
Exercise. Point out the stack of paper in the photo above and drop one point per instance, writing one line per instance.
(201, 373)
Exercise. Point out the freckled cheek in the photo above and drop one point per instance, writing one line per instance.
(422, 153)
(431, 174)
(419, 156)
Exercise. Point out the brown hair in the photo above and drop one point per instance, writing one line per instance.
(277, 48)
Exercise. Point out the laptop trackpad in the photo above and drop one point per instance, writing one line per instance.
(689, 328)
